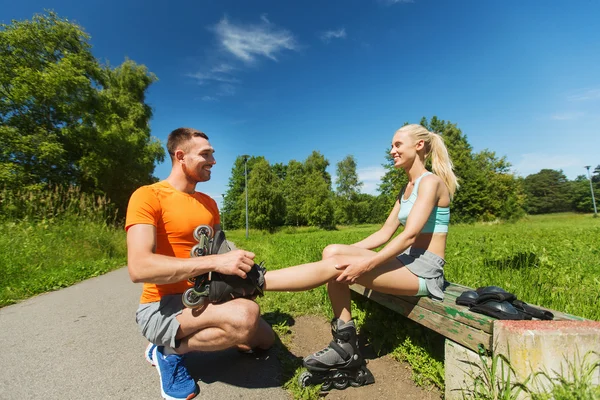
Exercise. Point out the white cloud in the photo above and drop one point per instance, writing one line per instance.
(249, 42)
(532, 163)
(328, 35)
(203, 77)
(567, 116)
(585, 94)
(371, 178)
(226, 90)
(209, 98)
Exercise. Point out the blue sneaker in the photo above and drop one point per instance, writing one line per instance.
(175, 381)
(148, 354)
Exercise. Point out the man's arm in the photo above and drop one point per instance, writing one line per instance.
(145, 265)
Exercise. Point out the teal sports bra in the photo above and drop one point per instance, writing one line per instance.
(438, 219)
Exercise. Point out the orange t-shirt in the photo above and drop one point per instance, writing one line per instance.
(175, 215)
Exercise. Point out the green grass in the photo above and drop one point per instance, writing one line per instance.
(37, 257)
(551, 260)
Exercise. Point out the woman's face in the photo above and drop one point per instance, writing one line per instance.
(403, 149)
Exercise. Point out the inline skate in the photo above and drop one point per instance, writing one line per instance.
(213, 286)
(338, 365)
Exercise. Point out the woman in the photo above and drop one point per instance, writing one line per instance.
(410, 264)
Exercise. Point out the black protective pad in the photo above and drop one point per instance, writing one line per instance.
(467, 298)
(533, 311)
(494, 293)
(499, 310)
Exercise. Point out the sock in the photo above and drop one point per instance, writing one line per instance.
(167, 351)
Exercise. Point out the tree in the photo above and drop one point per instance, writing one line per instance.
(317, 162)
(348, 188)
(266, 205)
(581, 198)
(317, 205)
(293, 189)
(547, 192)
(234, 203)
(596, 174)
(67, 120)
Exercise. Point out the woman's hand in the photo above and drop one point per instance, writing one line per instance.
(353, 271)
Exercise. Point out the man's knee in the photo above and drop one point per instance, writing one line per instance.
(331, 251)
(244, 318)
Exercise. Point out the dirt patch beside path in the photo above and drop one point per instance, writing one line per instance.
(392, 378)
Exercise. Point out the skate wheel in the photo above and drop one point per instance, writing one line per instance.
(304, 379)
(340, 384)
(197, 251)
(201, 230)
(326, 386)
(191, 299)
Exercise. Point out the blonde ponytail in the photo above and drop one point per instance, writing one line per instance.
(441, 164)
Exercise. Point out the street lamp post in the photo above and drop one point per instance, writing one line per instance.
(592, 190)
(246, 188)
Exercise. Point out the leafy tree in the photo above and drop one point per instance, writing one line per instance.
(293, 188)
(234, 203)
(266, 205)
(581, 198)
(348, 188)
(317, 205)
(596, 174)
(317, 162)
(67, 120)
(547, 192)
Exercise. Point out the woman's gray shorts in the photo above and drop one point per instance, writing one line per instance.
(157, 321)
(428, 266)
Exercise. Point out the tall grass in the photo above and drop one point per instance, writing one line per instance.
(553, 261)
(50, 239)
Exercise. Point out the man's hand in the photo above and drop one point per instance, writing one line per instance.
(353, 271)
(236, 262)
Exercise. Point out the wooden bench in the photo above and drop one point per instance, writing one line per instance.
(468, 330)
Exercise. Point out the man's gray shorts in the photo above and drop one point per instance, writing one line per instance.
(157, 321)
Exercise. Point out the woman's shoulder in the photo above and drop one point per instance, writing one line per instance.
(432, 182)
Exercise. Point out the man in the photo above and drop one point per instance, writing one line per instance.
(160, 222)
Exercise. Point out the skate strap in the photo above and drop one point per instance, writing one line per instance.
(340, 350)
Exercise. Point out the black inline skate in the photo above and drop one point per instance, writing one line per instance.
(214, 287)
(340, 364)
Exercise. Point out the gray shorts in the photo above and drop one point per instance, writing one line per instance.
(157, 321)
(427, 266)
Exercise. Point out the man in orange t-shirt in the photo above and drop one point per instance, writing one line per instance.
(160, 222)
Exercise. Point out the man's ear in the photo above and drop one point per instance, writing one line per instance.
(179, 154)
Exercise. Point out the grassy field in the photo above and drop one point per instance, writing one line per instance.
(551, 260)
(37, 257)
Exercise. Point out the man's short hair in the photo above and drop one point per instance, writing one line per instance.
(182, 135)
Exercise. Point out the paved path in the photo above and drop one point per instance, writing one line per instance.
(82, 342)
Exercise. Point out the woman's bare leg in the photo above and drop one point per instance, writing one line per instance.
(339, 293)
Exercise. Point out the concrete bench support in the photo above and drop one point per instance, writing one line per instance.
(532, 347)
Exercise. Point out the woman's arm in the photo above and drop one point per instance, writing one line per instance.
(384, 234)
(427, 199)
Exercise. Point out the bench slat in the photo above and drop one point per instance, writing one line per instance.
(454, 326)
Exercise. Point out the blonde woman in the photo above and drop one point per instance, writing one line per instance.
(410, 264)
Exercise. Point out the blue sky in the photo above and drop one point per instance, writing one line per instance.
(283, 78)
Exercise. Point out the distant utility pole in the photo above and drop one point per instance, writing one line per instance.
(592, 190)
